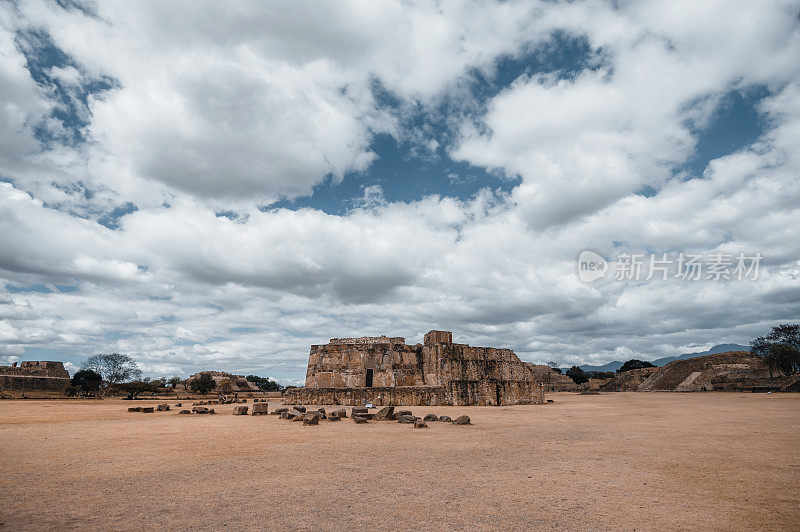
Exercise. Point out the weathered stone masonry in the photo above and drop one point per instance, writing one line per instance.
(32, 376)
(384, 370)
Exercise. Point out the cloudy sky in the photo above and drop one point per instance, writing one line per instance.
(209, 185)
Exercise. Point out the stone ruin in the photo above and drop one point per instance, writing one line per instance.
(34, 376)
(552, 381)
(237, 383)
(386, 371)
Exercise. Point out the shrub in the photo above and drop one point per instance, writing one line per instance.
(203, 384)
(87, 381)
(780, 349)
(264, 384)
(635, 364)
(134, 388)
(577, 375)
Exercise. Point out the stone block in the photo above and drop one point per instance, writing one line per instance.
(384, 414)
(462, 420)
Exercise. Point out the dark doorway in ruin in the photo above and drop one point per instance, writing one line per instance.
(497, 390)
(369, 378)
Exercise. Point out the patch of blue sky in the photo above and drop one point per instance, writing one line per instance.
(243, 330)
(44, 59)
(117, 335)
(417, 164)
(41, 288)
(735, 124)
(111, 219)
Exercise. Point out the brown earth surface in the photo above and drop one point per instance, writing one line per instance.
(613, 461)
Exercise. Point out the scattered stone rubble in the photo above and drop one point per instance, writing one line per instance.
(361, 415)
(299, 413)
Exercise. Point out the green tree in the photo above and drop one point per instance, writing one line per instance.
(174, 381)
(203, 384)
(635, 364)
(600, 374)
(554, 366)
(264, 384)
(87, 381)
(780, 349)
(134, 388)
(114, 368)
(577, 375)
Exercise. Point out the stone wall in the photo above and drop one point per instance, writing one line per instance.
(457, 393)
(365, 340)
(33, 376)
(344, 365)
(31, 368)
(553, 382)
(468, 375)
(438, 337)
(24, 383)
(398, 395)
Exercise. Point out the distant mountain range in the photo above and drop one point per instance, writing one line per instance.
(721, 348)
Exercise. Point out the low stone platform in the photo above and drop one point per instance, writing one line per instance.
(459, 393)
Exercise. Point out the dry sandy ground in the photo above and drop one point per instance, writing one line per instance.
(617, 461)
